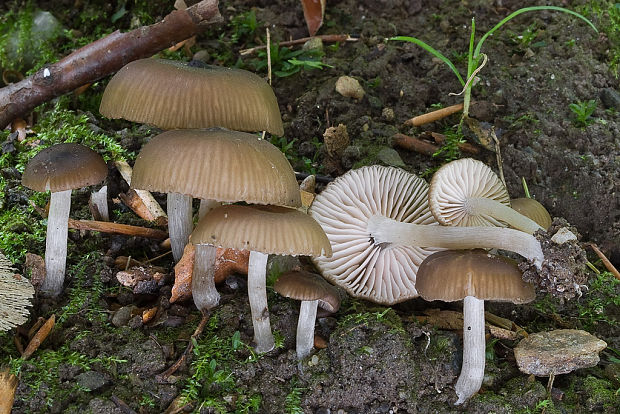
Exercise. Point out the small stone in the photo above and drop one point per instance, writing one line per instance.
(349, 87)
(558, 352)
(387, 114)
(390, 157)
(563, 235)
(314, 44)
(91, 380)
(610, 98)
(122, 316)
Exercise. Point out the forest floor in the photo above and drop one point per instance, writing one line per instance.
(550, 90)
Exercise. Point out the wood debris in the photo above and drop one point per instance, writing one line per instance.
(39, 337)
(117, 228)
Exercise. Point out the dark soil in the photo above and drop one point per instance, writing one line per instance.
(377, 360)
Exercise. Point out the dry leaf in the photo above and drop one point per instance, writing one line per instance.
(39, 337)
(314, 10)
(35, 265)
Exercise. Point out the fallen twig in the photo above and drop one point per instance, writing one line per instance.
(116, 228)
(324, 38)
(103, 57)
(39, 337)
(8, 384)
(434, 116)
(163, 377)
(425, 147)
(608, 265)
(140, 201)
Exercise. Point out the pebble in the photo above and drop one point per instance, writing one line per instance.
(349, 87)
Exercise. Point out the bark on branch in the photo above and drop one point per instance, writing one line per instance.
(104, 57)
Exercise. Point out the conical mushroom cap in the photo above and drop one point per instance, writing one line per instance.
(457, 181)
(302, 285)
(217, 164)
(64, 167)
(365, 269)
(452, 275)
(171, 94)
(266, 229)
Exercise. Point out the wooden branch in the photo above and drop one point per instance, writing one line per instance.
(116, 228)
(434, 116)
(104, 57)
(608, 265)
(324, 38)
(425, 147)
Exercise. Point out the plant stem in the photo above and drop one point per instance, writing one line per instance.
(56, 243)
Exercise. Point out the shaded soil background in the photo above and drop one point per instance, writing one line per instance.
(377, 360)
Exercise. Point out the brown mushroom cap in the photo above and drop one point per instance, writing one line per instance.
(459, 180)
(373, 271)
(266, 229)
(171, 94)
(303, 285)
(64, 167)
(452, 275)
(533, 210)
(217, 164)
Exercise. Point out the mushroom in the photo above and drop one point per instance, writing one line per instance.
(171, 94)
(547, 354)
(380, 227)
(467, 192)
(366, 268)
(60, 169)
(532, 209)
(313, 291)
(206, 164)
(262, 230)
(473, 276)
(15, 294)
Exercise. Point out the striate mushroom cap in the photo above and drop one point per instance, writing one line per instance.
(380, 273)
(456, 182)
(532, 209)
(217, 164)
(64, 167)
(303, 285)
(266, 229)
(452, 275)
(172, 94)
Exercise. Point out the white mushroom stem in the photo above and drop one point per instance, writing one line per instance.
(180, 222)
(499, 211)
(205, 295)
(305, 328)
(474, 347)
(257, 294)
(386, 230)
(207, 205)
(56, 243)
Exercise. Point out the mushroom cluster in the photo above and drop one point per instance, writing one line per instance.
(208, 158)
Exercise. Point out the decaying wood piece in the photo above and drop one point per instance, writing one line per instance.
(116, 228)
(39, 337)
(8, 385)
(434, 116)
(422, 146)
(103, 57)
(141, 201)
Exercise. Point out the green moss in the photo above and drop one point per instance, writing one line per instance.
(21, 232)
(600, 393)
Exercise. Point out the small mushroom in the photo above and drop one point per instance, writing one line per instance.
(532, 209)
(262, 230)
(60, 169)
(467, 192)
(313, 291)
(473, 276)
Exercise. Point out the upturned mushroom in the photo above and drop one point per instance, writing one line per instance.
(262, 230)
(532, 209)
(60, 169)
(472, 276)
(171, 94)
(15, 294)
(467, 192)
(313, 291)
